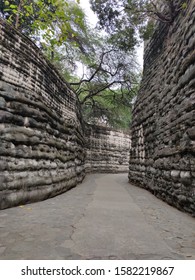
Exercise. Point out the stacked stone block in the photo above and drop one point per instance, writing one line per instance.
(162, 157)
(107, 150)
(41, 135)
(43, 143)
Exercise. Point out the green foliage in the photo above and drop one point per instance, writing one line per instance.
(125, 19)
(121, 20)
(147, 30)
(108, 86)
(110, 108)
(56, 20)
(184, 5)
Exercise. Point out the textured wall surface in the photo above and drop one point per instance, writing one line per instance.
(162, 157)
(41, 137)
(42, 140)
(107, 150)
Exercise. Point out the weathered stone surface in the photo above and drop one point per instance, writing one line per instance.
(163, 127)
(191, 133)
(38, 114)
(43, 143)
(107, 150)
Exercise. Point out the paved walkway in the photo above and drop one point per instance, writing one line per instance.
(103, 218)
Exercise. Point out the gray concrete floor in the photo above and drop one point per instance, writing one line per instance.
(103, 218)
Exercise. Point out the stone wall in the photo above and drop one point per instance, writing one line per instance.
(43, 144)
(107, 150)
(163, 129)
(41, 135)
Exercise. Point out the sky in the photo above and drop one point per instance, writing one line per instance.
(92, 19)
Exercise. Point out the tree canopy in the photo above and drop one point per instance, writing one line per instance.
(108, 85)
(124, 20)
(56, 21)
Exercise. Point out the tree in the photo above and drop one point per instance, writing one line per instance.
(23, 14)
(12, 11)
(55, 21)
(108, 85)
(111, 70)
(110, 108)
(124, 19)
(106, 82)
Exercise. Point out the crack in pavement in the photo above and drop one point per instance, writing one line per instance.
(72, 243)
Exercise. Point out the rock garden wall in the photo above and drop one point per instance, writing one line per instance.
(43, 145)
(162, 156)
(107, 150)
(41, 135)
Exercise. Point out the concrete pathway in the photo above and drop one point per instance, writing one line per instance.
(103, 218)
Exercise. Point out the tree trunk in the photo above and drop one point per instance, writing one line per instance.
(18, 14)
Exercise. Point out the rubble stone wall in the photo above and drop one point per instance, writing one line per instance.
(107, 150)
(42, 139)
(162, 156)
(41, 135)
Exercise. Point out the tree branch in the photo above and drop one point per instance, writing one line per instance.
(95, 72)
(91, 94)
(160, 16)
(18, 14)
